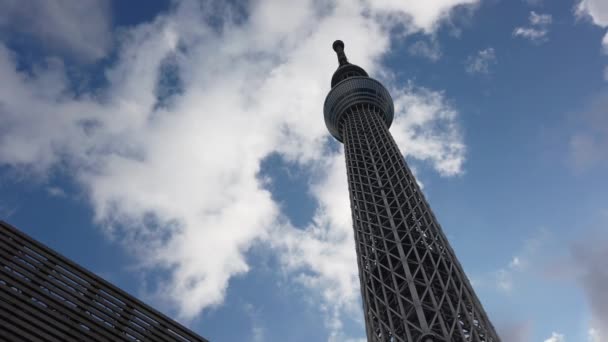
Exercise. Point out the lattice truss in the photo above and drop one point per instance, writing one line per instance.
(413, 287)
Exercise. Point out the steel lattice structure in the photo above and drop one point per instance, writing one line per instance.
(45, 297)
(413, 287)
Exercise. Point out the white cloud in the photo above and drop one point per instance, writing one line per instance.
(421, 15)
(540, 19)
(555, 337)
(179, 184)
(504, 280)
(326, 248)
(530, 33)
(258, 332)
(78, 28)
(537, 29)
(596, 10)
(426, 128)
(481, 62)
(516, 263)
(426, 49)
(505, 277)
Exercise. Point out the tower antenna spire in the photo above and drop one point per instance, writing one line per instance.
(338, 46)
(345, 69)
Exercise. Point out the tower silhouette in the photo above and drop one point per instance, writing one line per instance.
(413, 287)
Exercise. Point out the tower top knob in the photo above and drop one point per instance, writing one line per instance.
(338, 46)
(345, 69)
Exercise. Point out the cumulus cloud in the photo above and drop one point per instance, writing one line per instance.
(596, 10)
(78, 28)
(481, 62)
(174, 173)
(537, 29)
(427, 129)
(328, 237)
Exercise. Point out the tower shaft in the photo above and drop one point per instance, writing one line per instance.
(411, 281)
(413, 287)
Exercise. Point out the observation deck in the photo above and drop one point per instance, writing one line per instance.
(351, 86)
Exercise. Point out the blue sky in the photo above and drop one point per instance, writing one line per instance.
(178, 149)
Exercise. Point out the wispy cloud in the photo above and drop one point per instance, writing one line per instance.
(537, 29)
(589, 258)
(534, 2)
(55, 191)
(426, 49)
(80, 29)
(504, 276)
(540, 19)
(515, 331)
(7, 211)
(589, 137)
(505, 279)
(258, 332)
(481, 62)
(593, 335)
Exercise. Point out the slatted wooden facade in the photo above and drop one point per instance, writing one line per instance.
(46, 297)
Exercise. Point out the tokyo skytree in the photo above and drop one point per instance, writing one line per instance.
(413, 287)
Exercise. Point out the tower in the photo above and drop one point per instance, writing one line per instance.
(413, 287)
